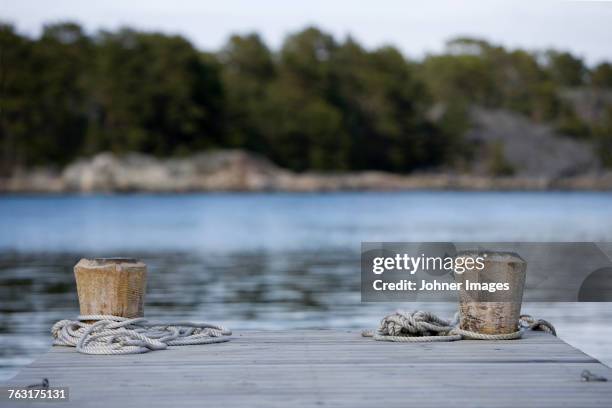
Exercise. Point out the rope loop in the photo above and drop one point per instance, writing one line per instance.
(120, 335)
(529, 323)
(422, 326)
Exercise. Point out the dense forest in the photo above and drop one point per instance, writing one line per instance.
(317, 103)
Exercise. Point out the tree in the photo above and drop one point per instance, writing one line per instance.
(304, 132)
(603, 138)
(319, 103)
(62, 57)
(498, 164)
(153, 93)
(15, 57)
(303, 127)
(305, 60)
(468, 78)
(388, 109)
(248, 69)
(565, 69)
(601, 77)
(43, 95)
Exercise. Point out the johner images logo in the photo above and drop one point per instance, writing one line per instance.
(441, 271)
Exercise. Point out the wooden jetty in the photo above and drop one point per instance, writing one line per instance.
(329, 368)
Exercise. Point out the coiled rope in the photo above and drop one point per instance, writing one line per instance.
(119, 335)
(421, 326)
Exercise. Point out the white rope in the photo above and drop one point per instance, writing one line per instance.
(119, 335)
(418, 326)
(421, 326)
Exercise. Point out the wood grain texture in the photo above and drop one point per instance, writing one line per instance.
(305, 368)
(492, 312)
(111, 286)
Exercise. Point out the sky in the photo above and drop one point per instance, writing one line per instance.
(583, 27)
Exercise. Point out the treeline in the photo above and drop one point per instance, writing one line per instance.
(317, 103)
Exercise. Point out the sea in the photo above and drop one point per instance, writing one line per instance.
(269, 260)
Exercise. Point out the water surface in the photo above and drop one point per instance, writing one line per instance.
(267, 260)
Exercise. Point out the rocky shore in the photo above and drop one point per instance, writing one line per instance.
(240, 171)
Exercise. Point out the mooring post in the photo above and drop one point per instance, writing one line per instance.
(495, 312)
(111, 286)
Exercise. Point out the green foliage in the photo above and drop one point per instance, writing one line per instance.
(152, 93)
(42, 115)
(304, 132)
(565, 69)
(498, 164)
(326, 105)
(453, 123)
(248, 69)
(316, 104)
(463, 78)
(475, 72)
(602, 75)
(15, 52)
(603, 138)
(569, 123)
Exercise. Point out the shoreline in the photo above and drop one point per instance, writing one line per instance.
(238, 171)
(357, 183)
(329, 184)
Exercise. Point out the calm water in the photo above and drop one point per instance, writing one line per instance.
(267, 260)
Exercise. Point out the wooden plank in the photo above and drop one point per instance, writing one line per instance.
(330, 368)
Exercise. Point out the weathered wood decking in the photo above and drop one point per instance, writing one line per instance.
(308, 368)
